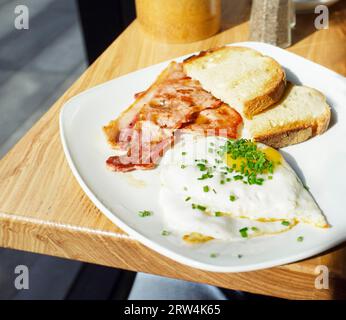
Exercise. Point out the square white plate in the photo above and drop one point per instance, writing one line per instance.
(320, 163)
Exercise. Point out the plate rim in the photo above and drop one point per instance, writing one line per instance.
(158, 248)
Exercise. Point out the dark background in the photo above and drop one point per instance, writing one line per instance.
(36, 67)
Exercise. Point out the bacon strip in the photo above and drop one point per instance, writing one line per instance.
(222, 121)
(145, 130)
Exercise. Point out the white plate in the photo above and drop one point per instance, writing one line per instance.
(320, 163)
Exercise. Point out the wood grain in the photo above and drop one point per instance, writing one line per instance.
(42, 208)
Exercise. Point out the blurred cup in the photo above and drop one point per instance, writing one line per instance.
(179, 21)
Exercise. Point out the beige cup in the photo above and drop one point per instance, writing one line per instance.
(179, 21)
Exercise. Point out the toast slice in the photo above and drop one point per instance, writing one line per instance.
(301, 114)
(241, 77)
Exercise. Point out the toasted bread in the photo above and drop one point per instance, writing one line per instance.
(241, 77)
(301, 114)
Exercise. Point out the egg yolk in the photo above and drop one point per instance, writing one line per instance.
(270, 153)
(195, 237)
(273, 155)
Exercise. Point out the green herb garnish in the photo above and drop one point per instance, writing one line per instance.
(206, 189)
(204, 176)
(145, 213)
(187, 198)
(202, 166)
(199, 207)
(232, 198)
(253, 161)
(243, 232)
(300, 239)
(285, 223)
(165, 233)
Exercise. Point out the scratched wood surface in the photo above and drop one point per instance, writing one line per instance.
(43, 209)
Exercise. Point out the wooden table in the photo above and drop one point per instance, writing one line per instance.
(43, 209)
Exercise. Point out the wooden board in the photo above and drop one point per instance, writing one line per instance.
(43, 209)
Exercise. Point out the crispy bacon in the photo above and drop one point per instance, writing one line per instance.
(145, 130)
(222, 121)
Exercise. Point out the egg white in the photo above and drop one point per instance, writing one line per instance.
(260, 207)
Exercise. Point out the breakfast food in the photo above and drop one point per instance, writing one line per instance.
(232, 189)
(301, 114)
(142, 133)
(222, 121)
(214, 183)
(241, 77)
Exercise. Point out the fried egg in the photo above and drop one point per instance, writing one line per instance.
(232, 189)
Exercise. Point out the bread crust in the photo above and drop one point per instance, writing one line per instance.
(295, 132)
(272, 92)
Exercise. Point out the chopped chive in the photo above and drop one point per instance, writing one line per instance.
(222, 181)
(199, 207)
(228, 179)
(214, 191)
(232, 198)
(183, 166)
(205, 176)
(184, 153)
(210, 150)
(218, 214)
(214, 255)
(285, 223)
(238, 177)
(254, 229)
(252, 160)
(165, 233)
(145, 213)
(202, 166)
(300, 239)
(206, 188)
(187, 198)
(240, 256)
(243, 232)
